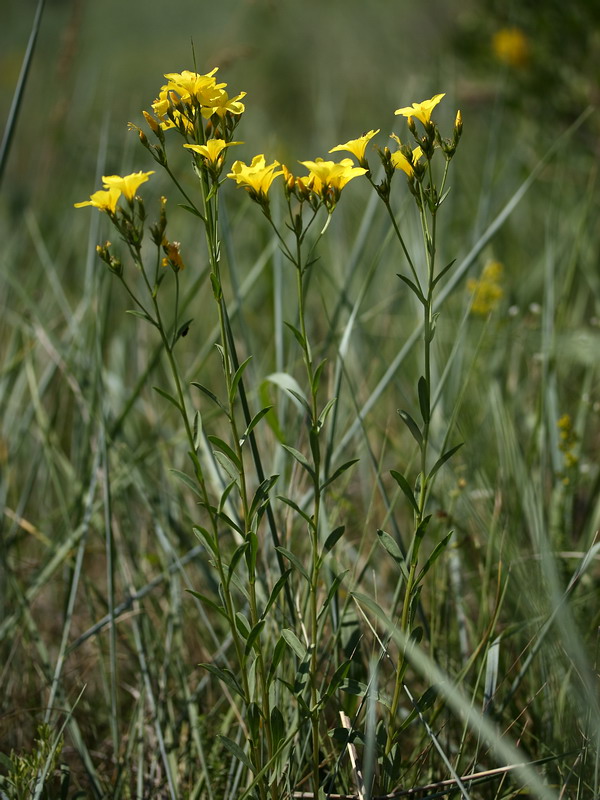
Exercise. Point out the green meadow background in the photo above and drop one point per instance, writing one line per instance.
(87, 447)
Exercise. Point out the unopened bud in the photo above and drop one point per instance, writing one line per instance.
(152, 122)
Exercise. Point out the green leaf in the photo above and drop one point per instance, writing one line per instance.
(405, 486)
(226, 676)
(254, 422)
(237, 378)
(435, 554)
(278, 726)
(225, 494)
(225, 448)
(192, 210)
(335, 585)
(261, 496)
(210, 603)
(205, 538)
(442, 460)
(294, 643)
(413, 287)
(242, 624)
(390, 545)
(333, 538)
(210, 395)
(278, 652)
(168, 397)
(189, 482)
(336, 679)
(235, 560)
(441, 274)
(424, 403)
(141, 315)
(183, 330)
(251, 553)
(368, 602)
(289, 385)
(317, 377)
(324, 414)
(237, 751)
(339, 471)
(294, 561)
(297, 335)
(301, 459)
(296, 508)
(412, 427)
(253, 635)
(276, 590)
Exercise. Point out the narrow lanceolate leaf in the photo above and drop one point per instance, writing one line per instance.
(168, 397)
(237, 751)
(226, 676)
(236, 558)
(317, 376)
(276, 591)
(254, 422)
(335, 585)
(390, 545)
(333, 538)
(442, 460)
(209, 394)
(323, 415)
(297, 335)
(442, 273)
(192, 210)
(368, 602)
(405, 486)
(423, 389)
(253, 635)
(301, 459)
(412, 427)
(294, 642)
(336, 679)
(189, 482)
(413, 287)
(225, 448)
(436, 553)
(206, 538)
(208, 602)
(237, 378)
(339, 471)
(294, 561)
(278, 652)
(261, 496)
(306, 517)
(141, 315)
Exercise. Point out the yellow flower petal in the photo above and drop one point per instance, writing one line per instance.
(103, 200)
(356, 146)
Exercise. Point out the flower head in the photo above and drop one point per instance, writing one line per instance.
(127, 185)
(212, 150)
(356, 146)
(105, 200)
(256, 177)
(422, 111)
(329, 178)
(192, 87)
(222, 103)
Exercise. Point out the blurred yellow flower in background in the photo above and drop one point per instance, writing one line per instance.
(511, 46)
(486, 290)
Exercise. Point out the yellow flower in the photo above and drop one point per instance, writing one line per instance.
(356, 146)
(400, 161)
(212, 150)
(128, 185)
(331, 176)
(191, 86)
(487, 291)
(256, 178)
(223, 103)
(422, 111)
(103, 200)
(511, 46)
